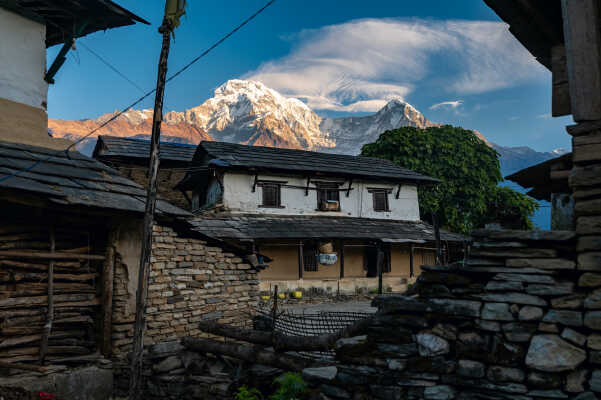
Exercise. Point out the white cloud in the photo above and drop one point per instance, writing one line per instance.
(544, 116)
(360, 65)
(454, 104)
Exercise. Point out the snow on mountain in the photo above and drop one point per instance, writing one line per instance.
(249, 112)
(351, 133)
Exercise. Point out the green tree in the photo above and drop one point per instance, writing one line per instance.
(468, 195)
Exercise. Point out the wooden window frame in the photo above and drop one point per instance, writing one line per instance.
(326, 190)
(277, 203)
(379, 192)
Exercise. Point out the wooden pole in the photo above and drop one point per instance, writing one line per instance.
(341, 259)
(135, 388)
(436, 222)
(108, 273)
(301, 260)
(50, 314)
(379, 262)
(411, 260)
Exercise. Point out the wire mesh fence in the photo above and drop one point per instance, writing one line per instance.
(308, 324)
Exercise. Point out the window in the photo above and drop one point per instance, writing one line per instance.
(271, 195)
(380, 200)
(327, 193)
(310, 257)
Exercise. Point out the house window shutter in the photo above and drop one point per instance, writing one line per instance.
(271, 195)
(327, 192)
(380, 200)
(310, 258)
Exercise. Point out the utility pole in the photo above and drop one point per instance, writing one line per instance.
(173, 10)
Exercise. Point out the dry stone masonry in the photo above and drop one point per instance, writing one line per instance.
(519, 320)
(189, 282)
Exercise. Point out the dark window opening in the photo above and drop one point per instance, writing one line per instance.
(271, 195)
(381, 200)
(328, 197)
(310, 257)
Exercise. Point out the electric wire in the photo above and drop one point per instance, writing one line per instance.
(144, 97)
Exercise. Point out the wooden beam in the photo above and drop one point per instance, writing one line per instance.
(350, 186)
(561, 103)
(108, 274)
(50, 313)
(379, 267)
(255, 183)
(341, 244)
(49, 255)
(307, 188)
(301, 261)
(581, 26)
(411, 260)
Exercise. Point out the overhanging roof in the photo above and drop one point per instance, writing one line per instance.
(64, 17)
(271, 159)
(248, 227)
(74, 181)
(537, 24)
(113, 148)
(538, 177)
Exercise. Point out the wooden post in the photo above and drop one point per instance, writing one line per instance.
(274, 310)
(436, 222)
(411, 260)
(379, 262)
(108, 273)
(341, 244)
(582, 34)
(50, 314)
(135, 387)
(301, 260)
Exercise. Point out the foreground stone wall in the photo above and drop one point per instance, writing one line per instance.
(518, 321)
(189, 282)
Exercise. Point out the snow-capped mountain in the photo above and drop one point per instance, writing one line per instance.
(351, 133)
(249, 112)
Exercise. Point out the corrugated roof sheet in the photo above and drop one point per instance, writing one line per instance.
(74, 180)
(300, 161)
(112, 146)
(251, 227)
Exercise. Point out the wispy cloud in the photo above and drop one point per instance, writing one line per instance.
(454, 104)
(544, 116)
(513, 118)
(360, 65)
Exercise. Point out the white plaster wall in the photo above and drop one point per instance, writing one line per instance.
(238, 197)
(22, 60)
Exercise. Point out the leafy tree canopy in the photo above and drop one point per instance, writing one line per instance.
(468, 196)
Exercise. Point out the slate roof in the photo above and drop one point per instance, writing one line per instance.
(111, 146)
(230, 155)
(255, 227)
(538, 177)
(62, 16)
(74, 181)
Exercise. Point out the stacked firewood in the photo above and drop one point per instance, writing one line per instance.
(69, 318)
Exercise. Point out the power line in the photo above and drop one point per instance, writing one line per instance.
(105, 62)
(138, 101)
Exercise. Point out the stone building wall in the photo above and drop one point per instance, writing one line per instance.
(189, 282)
(167, 179)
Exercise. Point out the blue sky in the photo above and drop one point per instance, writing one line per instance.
(453, 60)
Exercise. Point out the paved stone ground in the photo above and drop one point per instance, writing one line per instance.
(363, 306)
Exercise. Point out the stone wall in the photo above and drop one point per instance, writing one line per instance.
(189, 282)
(167, 179)
(518, 321)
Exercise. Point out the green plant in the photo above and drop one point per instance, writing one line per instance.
(291, 387)
(244, 393)
(468, 195)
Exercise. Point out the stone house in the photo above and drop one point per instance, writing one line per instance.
(130, 157)
(326, 221)
(71, 227)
